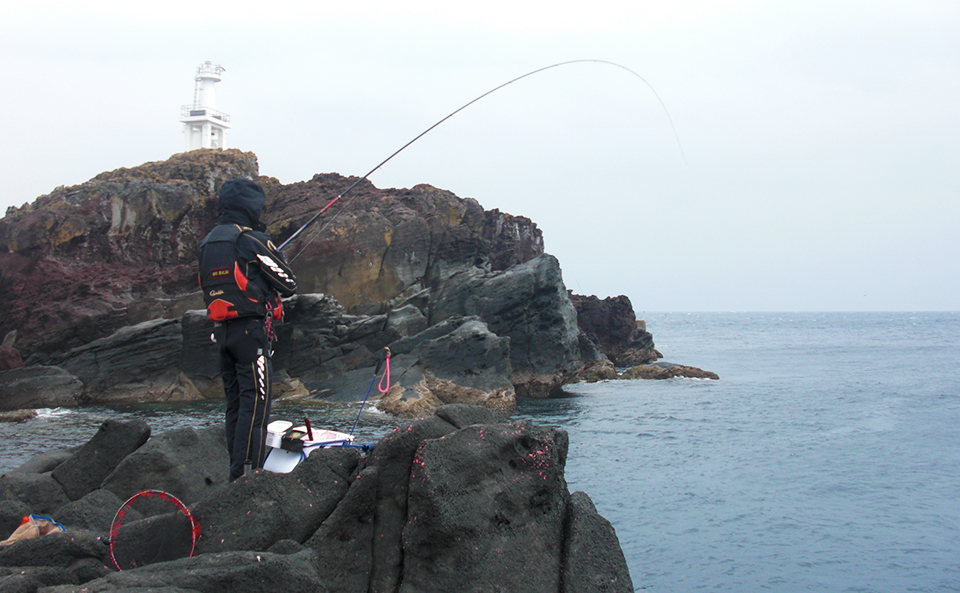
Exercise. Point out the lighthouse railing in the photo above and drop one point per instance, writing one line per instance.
(188, 111)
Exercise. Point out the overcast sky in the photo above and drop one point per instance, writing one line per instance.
(817, 169)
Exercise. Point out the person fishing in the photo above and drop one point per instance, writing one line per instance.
(243, 276)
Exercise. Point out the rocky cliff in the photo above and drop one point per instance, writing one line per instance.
(99, 281)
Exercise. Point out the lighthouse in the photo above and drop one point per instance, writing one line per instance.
(203, 125)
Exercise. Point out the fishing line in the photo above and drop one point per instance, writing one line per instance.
(461, 108)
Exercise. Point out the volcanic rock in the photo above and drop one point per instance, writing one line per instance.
(46, 461)
(613, 326)
(140, 359)
(602, 370)
(258, 511)
(593, 558)
(12, 513)
(99, 280)
(38, 387)
(482, 503)
(527, 304)
(41, 492)
(93, 512)
(344, 541)
(457, 501)
(667, 370)
(119, 249)
(86, 469)
(185, 462)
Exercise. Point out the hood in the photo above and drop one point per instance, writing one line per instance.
(240, 202)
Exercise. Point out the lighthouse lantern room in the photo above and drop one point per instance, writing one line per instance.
(203, 125)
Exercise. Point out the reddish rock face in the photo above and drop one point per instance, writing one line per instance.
(83, 261)
(9, 358)
(97, 278)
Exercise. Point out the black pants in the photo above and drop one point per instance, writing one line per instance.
(246, 370)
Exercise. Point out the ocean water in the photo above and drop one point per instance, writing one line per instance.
(826, 458)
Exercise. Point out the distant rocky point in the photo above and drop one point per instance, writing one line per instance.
(99, 284)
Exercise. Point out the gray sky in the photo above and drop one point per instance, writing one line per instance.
(820, 163)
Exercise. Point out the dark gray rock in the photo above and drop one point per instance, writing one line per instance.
(286, 546)
(461, 415)
(592, 559)
(308, 331)
(344, 542)
(40, 492)
(199, 358)
(470, 356)
(93, 512)
(122, 589)
(38, 387)
(667, 370)
(239, 572)
(261, 509)
(393, 457)
(185, 462)
(457, 501)
(613, 327)
(61, 549)
(529, 304)
(160, 537)
(46, 461)
(486, 507)
(29, 579)
(405, 321)
(466, 364)
(12, 513)
(95, 460)
(113, 366)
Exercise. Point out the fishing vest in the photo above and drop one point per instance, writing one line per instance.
(227, 291)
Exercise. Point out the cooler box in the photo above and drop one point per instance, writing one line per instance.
(289, 445)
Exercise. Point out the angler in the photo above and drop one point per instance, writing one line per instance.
(243, 276)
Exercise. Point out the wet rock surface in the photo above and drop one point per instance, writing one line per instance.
(667, 370)
(460, 500)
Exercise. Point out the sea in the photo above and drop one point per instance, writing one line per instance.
(825, 458)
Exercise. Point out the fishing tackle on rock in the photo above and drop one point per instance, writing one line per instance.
(423, 133)
(289, 445)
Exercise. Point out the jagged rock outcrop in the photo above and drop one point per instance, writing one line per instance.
(99, 280)
(84, 261)
(121, 247)
(455, 501)
(667, 370)
(379, 244)
(613, 326)
(527, 304)
(39, 387)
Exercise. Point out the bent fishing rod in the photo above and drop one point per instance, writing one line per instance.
(458, 110)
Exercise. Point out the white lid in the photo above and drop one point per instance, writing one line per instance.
(279, 426)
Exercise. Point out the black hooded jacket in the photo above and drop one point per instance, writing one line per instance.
(241, 272)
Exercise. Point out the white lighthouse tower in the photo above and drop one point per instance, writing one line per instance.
(203, 125)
